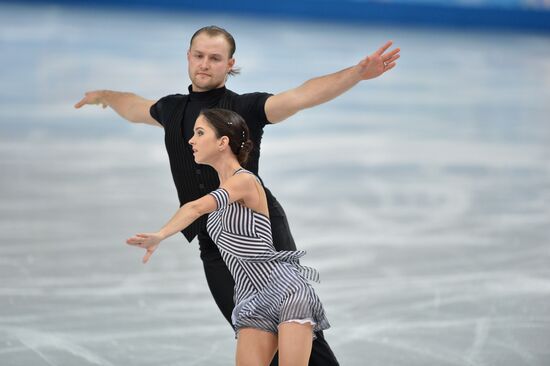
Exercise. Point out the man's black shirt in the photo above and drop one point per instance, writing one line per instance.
(177, 114)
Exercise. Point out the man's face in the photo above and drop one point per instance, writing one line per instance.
(209, 62)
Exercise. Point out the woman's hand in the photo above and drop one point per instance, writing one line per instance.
(148, 241)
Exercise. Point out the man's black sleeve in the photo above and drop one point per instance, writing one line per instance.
(162, 110)
(252, 107)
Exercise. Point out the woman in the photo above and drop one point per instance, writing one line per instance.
(275, 306)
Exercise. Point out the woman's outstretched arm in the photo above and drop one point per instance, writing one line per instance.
(238, 187)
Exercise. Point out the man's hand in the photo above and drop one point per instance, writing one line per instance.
(129, 106)
(378, 62)
(148, 241)
(93, 97)
(324, 88)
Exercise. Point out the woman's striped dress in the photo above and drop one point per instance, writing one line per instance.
(270, 287)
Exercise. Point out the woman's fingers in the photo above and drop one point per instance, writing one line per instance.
(145, 241)
(137, 239)
(149, 253)
(147, 256)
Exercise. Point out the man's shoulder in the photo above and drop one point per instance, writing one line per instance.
(170, 101)
(247, 100)
(251, 106)
(163, 109)
(174, 97)
(256, 94)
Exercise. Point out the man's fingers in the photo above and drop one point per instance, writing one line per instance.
(390, 66)
(81, 103)
(383, 49)
(91, 98)
(390, 54)
(391, 59)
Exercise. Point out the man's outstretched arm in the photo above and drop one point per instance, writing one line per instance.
(129, 106)
(322, 89)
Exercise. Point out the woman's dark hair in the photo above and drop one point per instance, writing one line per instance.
(213, 31)
(231, 124)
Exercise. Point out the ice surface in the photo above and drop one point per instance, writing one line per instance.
(422, 197)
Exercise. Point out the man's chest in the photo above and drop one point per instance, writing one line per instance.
(190, 115)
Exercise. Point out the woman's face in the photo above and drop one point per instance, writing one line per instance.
(204, 142)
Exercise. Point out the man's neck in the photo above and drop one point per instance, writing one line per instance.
(196, 89)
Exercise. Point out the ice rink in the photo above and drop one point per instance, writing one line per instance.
(422, 197)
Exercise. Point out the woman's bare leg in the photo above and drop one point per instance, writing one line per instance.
(295, 341)
(255, 347)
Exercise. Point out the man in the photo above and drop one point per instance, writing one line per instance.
(210, 61)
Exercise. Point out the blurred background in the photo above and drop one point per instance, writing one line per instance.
(422, 197)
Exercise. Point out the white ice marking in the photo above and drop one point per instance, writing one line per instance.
(41, 341)
(482, 332)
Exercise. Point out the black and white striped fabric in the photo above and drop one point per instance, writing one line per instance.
(270, 287)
